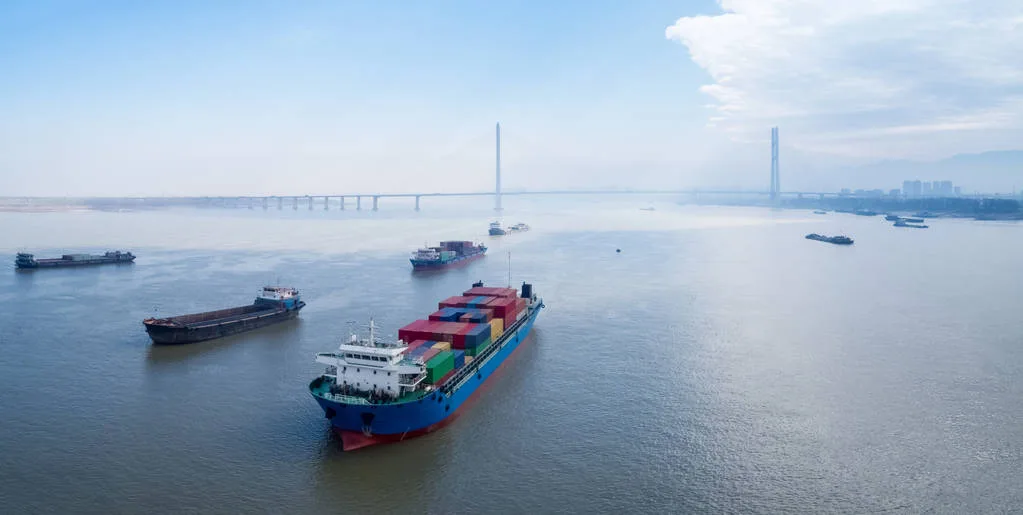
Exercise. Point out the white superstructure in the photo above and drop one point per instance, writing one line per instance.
(278, 293)
(369, 366)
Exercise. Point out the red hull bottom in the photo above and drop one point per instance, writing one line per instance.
(352, 440)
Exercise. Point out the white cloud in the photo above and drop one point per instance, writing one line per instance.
(871, 78)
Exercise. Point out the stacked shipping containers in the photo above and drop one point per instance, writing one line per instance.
(462, 327)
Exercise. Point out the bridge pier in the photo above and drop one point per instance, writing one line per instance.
(250, 203)
(265, 203)
(342, 200)
(326, 203)
(375, 199)
(294, 204)
(358, 203)
(280, 202)
(310, 199)
(417, 202)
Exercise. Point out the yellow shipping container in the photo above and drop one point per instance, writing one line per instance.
(468, 359)
(442, 346)
(496, 329)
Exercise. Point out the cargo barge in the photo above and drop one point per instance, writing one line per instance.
(273, 305)
(25, 260)
(449, 253)
(376, 392)
(837, 240)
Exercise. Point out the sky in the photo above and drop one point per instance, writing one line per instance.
(255, 97)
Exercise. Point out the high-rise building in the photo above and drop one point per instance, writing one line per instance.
(911, 189)
(927, 191)
(894, 193)
(944, 188)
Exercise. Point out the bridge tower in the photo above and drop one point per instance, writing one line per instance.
(497, 192)
(775, 170)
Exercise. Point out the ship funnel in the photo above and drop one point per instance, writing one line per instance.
(527, 291)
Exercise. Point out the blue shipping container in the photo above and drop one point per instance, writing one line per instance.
(479, 302)
(459, 358)
(477, 334)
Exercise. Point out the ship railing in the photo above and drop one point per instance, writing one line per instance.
(418, 379)
(346, 399)
(471, 369)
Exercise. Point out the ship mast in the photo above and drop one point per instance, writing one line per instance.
(509, 269)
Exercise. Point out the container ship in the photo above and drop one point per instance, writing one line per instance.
(24, 260)
(449, 253)
(496, 229)
(273, 305)
(377, 392)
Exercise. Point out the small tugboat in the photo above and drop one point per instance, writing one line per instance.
(902, 223)
(496, 230)
(819, 212)
(837, 240)
(892, 218)
(914, 220)
(519, 227)
(24, 260)
(274, 304)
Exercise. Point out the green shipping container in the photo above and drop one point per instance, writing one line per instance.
(439, 365)
(475, 351)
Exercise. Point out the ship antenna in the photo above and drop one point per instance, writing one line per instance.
(372, 340)
(509, 269)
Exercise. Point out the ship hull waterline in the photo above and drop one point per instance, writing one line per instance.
(181, 335)
(390, 423)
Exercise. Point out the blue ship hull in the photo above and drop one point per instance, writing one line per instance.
(361, 425)
(418, 264)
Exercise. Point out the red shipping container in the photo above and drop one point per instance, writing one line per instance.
(414, 345)
(490, 292)
(502, 306)
(454, 302)
(428, 355)
(520, 305)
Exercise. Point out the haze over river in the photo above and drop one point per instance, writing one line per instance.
(719, 363)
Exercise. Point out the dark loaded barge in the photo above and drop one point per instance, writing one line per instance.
(837, 240)
(24, 260)
(273, 305)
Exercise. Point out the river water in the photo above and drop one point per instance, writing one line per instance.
(718, 363)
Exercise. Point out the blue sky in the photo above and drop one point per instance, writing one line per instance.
(224, 97)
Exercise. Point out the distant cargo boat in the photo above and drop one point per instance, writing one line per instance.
(892, 218)
(24, 260)
(274, 304)
(865, 212)
(449, 253)
(914, 220)
(819, 212)
(902, 223)
(837, 240)
(646, 209)
(519, 227)
(377, 392)
(496, 230)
